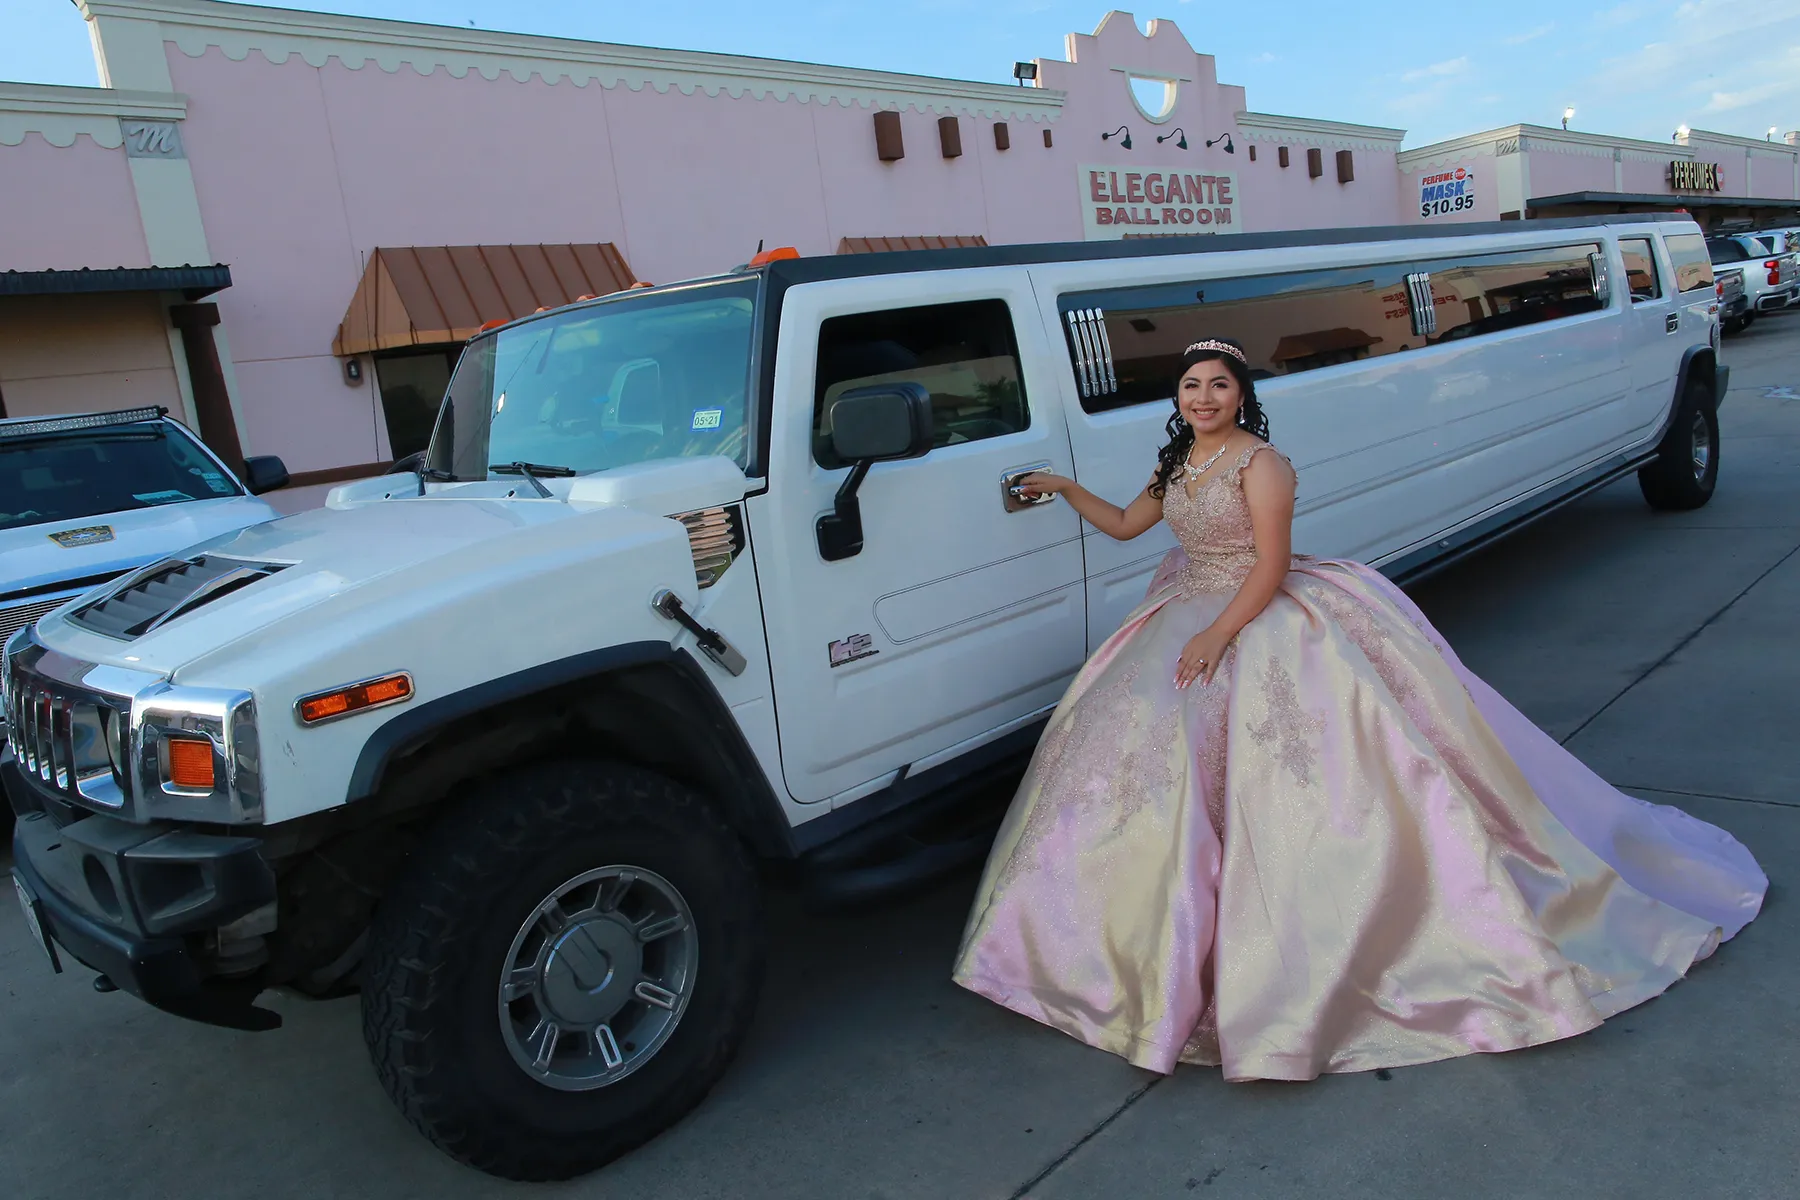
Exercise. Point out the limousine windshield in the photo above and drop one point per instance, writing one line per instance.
(652, 376)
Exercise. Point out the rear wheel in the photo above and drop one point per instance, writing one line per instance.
(1687, 463)
(566, 969)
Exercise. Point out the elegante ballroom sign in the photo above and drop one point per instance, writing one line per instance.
(1117, 203)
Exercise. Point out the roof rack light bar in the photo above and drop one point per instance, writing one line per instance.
(124, 416)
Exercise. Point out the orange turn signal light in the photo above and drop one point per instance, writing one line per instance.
(191, 763)
(389, 689)
(765, 257)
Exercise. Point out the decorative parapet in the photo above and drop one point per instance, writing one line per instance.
(60, 114)
(237, 30)
(1303, 131)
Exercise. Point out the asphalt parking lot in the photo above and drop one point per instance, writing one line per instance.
(1662, 648)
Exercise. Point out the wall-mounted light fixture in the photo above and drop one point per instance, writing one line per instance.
(353, 371)
(1180, 136)
(1568, 115)
(1023, 71)
(1226, 138)
(1124, 141)
(1772, 130)
(1681, 131)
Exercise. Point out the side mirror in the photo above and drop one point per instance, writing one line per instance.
(409, 465)
(869, 425)
(264, 473)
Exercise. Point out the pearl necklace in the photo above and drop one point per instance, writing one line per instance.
(1194, 472)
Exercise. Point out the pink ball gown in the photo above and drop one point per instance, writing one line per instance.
(1345, 852)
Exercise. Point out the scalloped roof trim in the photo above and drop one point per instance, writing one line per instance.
(316, 53)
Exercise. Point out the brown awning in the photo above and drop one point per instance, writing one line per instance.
(1325, 341)
(881, 245)
(437, 295)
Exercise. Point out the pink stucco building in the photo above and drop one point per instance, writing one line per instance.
(281, 224)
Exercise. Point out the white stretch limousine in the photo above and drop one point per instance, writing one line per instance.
(733, 571)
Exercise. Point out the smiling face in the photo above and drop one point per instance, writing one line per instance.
(1208, 398)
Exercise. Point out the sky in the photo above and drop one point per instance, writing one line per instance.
(1637, 68)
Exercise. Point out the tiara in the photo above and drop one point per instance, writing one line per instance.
(1222, 347)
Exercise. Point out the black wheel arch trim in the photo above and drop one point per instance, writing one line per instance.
(1721, 380)
(759, 815)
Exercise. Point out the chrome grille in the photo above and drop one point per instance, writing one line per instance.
(14, 617)
(66, 738)
(165, 591)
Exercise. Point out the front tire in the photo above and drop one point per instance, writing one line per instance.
(1686, 469)
(566, 967)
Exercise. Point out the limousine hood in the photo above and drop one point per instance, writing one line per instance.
(334, 572)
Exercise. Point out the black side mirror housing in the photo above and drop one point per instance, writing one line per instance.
(264, 473)
(880, 423)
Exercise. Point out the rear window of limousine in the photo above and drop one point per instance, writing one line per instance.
(1301, 320)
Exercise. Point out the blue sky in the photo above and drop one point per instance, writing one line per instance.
(1636, 68)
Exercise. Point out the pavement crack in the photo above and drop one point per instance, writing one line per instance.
(1090, 1135)
(1678, 647)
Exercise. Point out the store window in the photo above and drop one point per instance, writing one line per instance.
(1688, 256)
(412, 385)
(966, 355)
(1640, 269)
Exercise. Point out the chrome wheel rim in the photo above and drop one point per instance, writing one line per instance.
(1700, 446)
(598, 977)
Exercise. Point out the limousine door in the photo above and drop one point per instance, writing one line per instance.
(1662, 327)
(961, 615)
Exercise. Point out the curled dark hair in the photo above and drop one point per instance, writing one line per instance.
(1250, 415)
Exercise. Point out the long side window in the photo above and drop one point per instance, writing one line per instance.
(1640, 269)
(966, 355)
(1504, 291)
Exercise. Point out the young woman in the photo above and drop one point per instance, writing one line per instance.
(1276, 826)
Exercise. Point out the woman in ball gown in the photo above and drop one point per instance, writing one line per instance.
(1276, 826)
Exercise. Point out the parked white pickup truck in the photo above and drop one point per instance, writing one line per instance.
(709, 576)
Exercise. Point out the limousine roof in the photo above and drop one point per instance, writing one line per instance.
(788, 271)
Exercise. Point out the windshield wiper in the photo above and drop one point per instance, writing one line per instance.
(532, 471)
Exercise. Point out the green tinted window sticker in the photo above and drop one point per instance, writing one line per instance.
(168, 497)
(216, 482)
(707, 418)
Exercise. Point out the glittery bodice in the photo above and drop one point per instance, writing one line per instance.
(1213, 527)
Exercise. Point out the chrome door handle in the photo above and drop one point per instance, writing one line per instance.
(1011, 493)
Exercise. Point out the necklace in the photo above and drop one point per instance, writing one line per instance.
(1194, 472)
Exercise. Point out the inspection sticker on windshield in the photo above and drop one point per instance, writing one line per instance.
(707, 418)
(168, 497)
(215, 481)
(93, 535)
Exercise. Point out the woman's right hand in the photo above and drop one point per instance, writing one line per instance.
(1042, 483)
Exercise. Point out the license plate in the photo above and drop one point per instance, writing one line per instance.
(29, 903)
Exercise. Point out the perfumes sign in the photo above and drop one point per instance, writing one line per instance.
(1117, 203)
(1686, 175)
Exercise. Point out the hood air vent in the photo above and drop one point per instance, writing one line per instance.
(156, 595)
(716, 536)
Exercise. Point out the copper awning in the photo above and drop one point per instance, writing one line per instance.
(439, 295)
(881, 245)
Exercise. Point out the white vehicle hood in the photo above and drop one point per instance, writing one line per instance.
(361, 555)
(33, 558)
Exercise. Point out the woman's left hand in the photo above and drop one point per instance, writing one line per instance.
(1200, 657)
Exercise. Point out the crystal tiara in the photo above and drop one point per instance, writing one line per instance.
(1221, 347)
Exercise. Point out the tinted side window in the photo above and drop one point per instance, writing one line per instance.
(1127, 343)
(966, 355)
(1504, 291)
(1640, 269)
(1687, 253)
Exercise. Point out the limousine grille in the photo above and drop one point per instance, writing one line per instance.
(166, 591)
